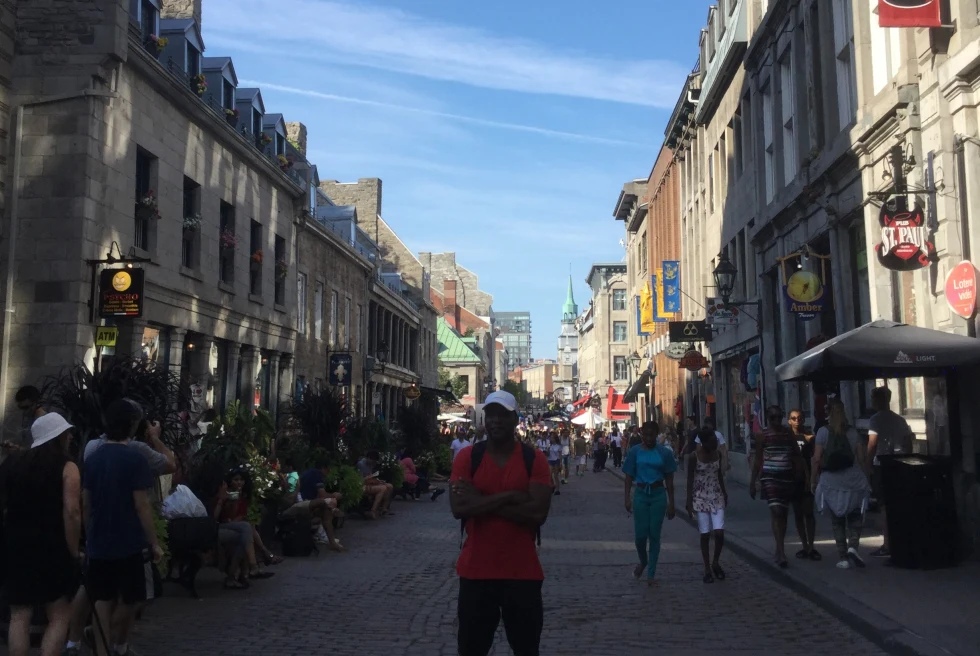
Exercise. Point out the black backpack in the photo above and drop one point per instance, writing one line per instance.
(297, 537)
(476, 457)
(837, 455)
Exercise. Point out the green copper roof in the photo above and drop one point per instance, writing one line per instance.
(452, 348)
(569, 311)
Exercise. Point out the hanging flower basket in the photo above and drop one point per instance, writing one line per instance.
(264, 140)
(231, 115)
(257, 257)
(282, 270)
(156, 44)
(285, 163)
(192, 222)
(199, 84)
(229, 240)
(146, 207)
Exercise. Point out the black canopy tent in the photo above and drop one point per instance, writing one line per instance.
(883, 349)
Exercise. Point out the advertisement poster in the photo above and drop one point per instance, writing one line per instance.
(961, 289)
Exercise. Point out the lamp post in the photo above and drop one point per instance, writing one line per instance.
(382, 355)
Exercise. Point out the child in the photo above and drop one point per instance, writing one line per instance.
(707, 496)
(554, 461)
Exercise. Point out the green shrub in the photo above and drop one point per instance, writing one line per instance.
(444, 459)
(349, 482)
(390, 470)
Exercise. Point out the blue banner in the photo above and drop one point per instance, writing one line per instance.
(672, 286)
(639, 318)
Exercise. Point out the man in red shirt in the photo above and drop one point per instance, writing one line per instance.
(502, 508)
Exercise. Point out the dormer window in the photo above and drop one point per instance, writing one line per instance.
(280, 144)
(149, 19)
(227, 94)
(256, 122)
(193, 60)
(313, 199)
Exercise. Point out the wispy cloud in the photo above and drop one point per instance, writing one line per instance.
(559, 134)
(395, 40)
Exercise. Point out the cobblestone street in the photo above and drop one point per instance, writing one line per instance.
(394, 593)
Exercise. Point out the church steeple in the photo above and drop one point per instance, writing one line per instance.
(570, 309)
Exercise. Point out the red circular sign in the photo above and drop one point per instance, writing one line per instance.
(961, 289)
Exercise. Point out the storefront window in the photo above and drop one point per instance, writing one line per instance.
(744, 381)
(152, 345)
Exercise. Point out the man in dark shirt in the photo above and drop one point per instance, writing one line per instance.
(806, 521)
(318, 504)
(121, 535)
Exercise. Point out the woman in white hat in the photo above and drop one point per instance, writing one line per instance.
(43, 528)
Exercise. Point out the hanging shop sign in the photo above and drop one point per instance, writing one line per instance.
(805, 290)
(106, 335)
(672, 286)
(341, 369)
(717, 313)
(909, 13)
(644, 312)
(676, 350)
(905, 244)
(412, 392)
(961, 289)
(121, 293)
(689, 331)
(693, 361)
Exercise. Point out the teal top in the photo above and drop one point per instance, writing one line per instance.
(649, 466)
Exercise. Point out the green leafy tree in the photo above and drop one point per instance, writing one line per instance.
(460, 387)
(517, 390)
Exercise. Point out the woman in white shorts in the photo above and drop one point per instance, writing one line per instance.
(706, 496)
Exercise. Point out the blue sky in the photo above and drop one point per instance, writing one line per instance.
(503, 131)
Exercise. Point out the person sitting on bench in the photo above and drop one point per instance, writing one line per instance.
(416, 483)
(374, 487)
(317, 503)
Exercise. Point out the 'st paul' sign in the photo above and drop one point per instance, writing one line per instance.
(905, 243)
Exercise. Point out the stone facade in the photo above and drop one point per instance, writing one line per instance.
(604, 331)
(443, 266)
(296, 133)
(181, 9)
(539, 383)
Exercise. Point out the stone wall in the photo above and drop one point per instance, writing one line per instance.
(443, 266)
(181, 9)
(296, 132)
(365, 194)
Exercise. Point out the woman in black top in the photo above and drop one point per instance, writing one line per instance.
(42, 530)
(803, 511)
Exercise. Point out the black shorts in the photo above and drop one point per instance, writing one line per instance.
(877, 489)
(124, 579)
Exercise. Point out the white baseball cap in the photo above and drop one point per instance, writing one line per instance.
(500, 397)
(47, 427)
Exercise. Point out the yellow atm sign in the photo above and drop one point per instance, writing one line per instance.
(106, 335)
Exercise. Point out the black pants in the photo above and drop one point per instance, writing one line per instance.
(483, 603)
(617, 456)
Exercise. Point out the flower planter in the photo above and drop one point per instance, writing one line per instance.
(232, 121)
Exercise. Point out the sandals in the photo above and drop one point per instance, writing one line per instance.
(235, 584)
(708, 576)
(815, 555)
(638, 571)
(718, 572)
(812, 554)
(258, 575)
(802, 554)
(272, 559)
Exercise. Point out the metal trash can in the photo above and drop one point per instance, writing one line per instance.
(921, 507)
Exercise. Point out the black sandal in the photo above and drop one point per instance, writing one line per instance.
(815, 555)
(708, 577)
(234, 584)
(718, 571)
(259, 575)
(802, 554)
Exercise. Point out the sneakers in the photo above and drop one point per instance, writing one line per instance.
(881, 552)
(855, 558)
(71, 651)
(557, 492)
(843, 564)
(437, 493)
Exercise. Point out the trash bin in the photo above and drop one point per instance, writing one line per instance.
(921, 507)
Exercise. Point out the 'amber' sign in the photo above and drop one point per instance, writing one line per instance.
(121, 293)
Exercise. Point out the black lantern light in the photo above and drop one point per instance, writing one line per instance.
(634, 360)
(725, 273)
(382, 354)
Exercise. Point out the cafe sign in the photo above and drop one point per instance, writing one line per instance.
(676, 350)
(961, 289)
(693, 361)
(121, 293)
(905, 243)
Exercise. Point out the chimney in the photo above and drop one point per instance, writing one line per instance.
(296, 132)
(450, 307)
(181, 9)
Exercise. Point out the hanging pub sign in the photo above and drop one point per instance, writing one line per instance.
(961, 289)
(909, 13)
(121, 293)
(689, 331)
(676, 350)
(805, 291)
(341, 368)
(905, 244)
(719, 313)
(693, 361)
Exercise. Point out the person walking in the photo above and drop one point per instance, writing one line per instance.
(840, 484)
(554, 461)
(651, 468)
(806, 521)
(707, 499)
(616, 444)
(42, 526)
(778, 466)
(581, 449)
(566, 454)
(501, 491)
(888, 435)
(459, 444)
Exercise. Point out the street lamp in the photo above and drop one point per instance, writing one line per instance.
(725, 274)
(634, 360)
(381, 355)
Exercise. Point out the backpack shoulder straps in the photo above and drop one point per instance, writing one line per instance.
(476, 457)
(530, 453)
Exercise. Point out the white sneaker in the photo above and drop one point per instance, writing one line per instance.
(843, 564)
(855, 558)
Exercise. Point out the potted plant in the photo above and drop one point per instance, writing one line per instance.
(229, 240)
(282, 269)
(192, 222)
(156, 44)
(199, 84)
(257, 257)
(146, 207)
(231, 115)
(285, 163)
(264, 140)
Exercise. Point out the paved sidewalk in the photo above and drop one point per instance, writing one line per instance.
(928, 613)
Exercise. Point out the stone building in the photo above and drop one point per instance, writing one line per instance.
(566, 380)
(538, 379)
(126, 154)
(603, 330)
(443, 266)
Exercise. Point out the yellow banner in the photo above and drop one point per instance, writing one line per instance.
(646, 309)
(661, 313)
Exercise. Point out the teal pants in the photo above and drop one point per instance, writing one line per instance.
(649, 510)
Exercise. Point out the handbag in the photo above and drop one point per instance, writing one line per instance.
(192, 534)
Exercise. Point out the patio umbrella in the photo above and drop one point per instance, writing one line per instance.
(883, 349)
(589, 420)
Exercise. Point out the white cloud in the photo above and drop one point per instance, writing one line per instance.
(395, 40)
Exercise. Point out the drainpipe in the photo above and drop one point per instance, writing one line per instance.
(12, 223)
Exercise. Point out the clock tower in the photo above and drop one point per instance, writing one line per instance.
(567, 378)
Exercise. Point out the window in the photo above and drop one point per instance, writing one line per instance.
(193, 61)
(227, 94)
(301, 302)
(347, 325)
(313, 198)
(619, 367)
(227, 242)
(844, 53)
(619, 299)
(256, 122)
(282, 270)
(886, 51)
(149, 20)
(333, 318)
(745, 141)
(619, 331)
(643, 252)
(255, 259)
(318, 310)
(712, 158)
(190, 241)
(280, 144)
(146, 198)
(357, 330)
(770, 149)
(788, 107)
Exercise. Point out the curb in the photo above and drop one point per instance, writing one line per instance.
(883, 631)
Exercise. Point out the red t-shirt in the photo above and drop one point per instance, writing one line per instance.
(494, 547)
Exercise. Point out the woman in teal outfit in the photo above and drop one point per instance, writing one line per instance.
(651, 468)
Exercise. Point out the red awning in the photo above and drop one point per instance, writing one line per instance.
(582, 401)
(615, 403)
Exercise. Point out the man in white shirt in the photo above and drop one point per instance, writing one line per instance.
(616, 441)
(543, 443)
(459, 444)
(888, 435)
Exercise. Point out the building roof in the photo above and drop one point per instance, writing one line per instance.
(467, 319)
(250, 94)
(452, 348)
(616, 267)
(172, 25)
(569, 310)
(220, 64)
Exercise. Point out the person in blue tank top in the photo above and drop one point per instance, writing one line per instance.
(650, 467)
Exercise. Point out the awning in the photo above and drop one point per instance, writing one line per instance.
(615, 403)
(637, 388)
(441, 393)
(582, 401)
(883, 349)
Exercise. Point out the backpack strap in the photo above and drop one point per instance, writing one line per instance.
(477, 451)
(530, 453)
